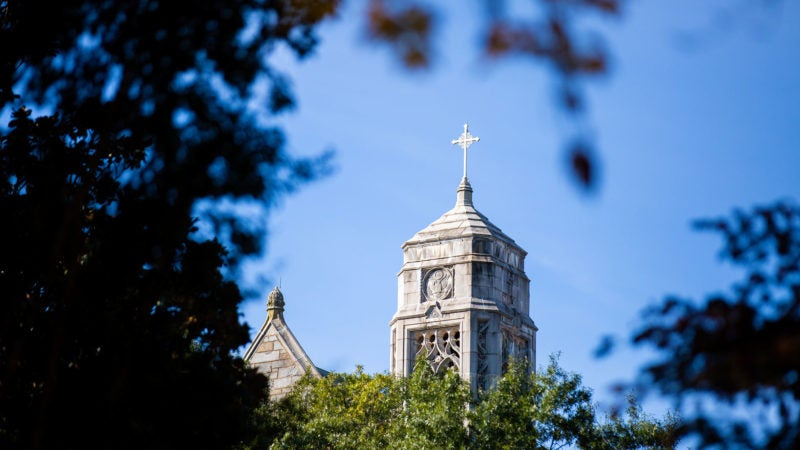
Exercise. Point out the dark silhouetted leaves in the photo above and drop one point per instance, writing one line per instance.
(118, 327)
(605, 347)
(741, 348)
(582, 166)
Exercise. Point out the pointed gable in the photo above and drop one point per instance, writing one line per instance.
(277, 353)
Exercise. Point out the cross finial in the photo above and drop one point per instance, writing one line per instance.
(464, 141)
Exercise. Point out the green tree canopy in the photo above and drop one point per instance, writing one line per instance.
(546, 410)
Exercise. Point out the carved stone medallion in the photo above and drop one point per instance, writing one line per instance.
(438, 284)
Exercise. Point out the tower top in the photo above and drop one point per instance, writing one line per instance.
(464, 141)
(463, 298)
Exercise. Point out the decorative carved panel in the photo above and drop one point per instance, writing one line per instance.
(437, 284)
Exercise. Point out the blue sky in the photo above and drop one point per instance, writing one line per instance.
(700, 114)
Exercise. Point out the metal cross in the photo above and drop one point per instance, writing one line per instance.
(464, 141)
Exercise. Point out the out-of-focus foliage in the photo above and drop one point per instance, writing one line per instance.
(734, 358)
(558, 34)
(546, 34)
(117, 325)
(549, 410)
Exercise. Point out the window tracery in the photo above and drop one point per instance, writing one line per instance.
(514, 347)
(441, 347)
(508, 293)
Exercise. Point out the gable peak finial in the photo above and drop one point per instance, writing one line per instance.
(275, 304)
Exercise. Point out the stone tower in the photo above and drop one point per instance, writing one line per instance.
(463, 299)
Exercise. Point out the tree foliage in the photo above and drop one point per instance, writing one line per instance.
(547, 33)
(735, 356)
(133, 138)
(549, 410)
(118, 323)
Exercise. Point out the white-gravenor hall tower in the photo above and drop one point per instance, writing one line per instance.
(463, 299)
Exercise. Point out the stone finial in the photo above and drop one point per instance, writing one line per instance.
(275, 304)
(464, 196)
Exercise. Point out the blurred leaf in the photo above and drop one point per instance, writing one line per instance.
(406, 29)
(741, 348)
(582, 166)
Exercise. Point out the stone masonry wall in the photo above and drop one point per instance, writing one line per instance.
(271, 359)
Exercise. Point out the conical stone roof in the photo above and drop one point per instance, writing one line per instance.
(461, 221)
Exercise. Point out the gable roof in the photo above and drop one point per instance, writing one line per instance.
(278, 328)
(277, 353)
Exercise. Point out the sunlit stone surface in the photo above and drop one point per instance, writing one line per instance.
(463, 299)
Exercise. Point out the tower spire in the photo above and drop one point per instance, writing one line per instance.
(464, 195)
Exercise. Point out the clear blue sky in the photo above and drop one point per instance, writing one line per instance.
(700, 114)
